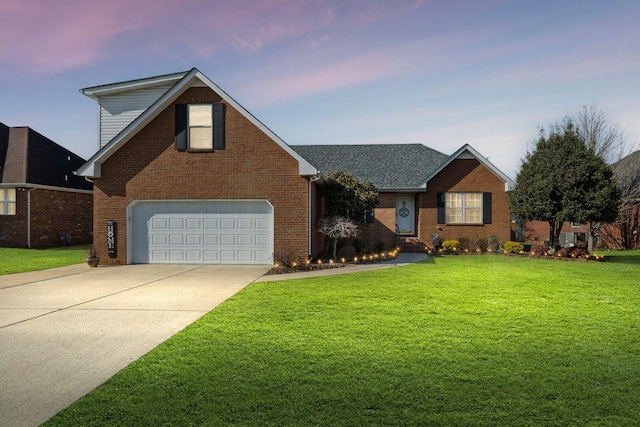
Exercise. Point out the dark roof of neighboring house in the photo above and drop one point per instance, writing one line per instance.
(388, 166)
(26, 157)
(627, 170)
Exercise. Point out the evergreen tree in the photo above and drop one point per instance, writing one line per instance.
(562, 180)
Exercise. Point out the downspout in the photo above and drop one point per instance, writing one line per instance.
(311, 181)
(29, 190)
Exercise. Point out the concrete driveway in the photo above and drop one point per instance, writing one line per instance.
(65, 331)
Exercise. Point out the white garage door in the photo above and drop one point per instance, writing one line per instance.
(201, 232)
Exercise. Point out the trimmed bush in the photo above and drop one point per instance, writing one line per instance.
(451, 245)
(513, 247)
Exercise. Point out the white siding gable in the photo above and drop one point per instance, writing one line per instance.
(117, 111)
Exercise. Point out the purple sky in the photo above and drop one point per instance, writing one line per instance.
(442, 73)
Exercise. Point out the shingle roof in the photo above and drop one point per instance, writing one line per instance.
(26, 157)
(627, 171)
(389, 166)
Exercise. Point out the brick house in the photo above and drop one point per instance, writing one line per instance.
(423, 192)
(42, 202)
(184, 174)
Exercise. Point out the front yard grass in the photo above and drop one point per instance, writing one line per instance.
(13, 260)
(459, 341)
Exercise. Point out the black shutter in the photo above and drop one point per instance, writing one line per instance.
(181, 127)
(442, 218)
(218, 126)
(486, 208)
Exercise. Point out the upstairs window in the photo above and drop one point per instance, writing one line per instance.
(7, 201)
(200, 119)
(200, 127)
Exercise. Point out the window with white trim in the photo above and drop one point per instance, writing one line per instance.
(200, 126)
(7, 201)
(463, 208)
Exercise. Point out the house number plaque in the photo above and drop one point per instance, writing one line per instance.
(111, 238)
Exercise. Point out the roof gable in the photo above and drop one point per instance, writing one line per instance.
(467, 152)
(192, 78)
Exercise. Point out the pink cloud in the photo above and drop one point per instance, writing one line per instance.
(45, 36)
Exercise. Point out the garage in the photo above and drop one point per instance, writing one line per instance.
(200, 232)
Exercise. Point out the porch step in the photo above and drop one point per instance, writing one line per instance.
(410, 244)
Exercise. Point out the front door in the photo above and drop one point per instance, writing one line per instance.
(405, 214)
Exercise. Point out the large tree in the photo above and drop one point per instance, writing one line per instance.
(561, 180)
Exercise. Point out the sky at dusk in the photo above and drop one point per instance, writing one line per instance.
(443, 73)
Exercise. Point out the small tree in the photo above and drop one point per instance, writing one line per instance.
(562, 180)
(348, 197)
(338, 227)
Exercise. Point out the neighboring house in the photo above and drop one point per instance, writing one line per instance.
(184, 174)
(571, 234)
(625, 232)
(42, 202)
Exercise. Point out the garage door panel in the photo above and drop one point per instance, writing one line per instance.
(194, 256)
(160, 223)
(263, 224)
(234, 232)
(211, 256)
(160, 240)
(245, 240)
(211, 223)
(176, 240)
(228, 223)
(228, 256)
(194, 239)
(211, 239)
(177, 256)
(194, 224)
(228, 240)
(262, 240)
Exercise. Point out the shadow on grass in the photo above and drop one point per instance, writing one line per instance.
(623, 259)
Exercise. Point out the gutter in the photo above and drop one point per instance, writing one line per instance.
(29, 190)
(312, 179)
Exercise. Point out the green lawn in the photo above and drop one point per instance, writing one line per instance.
(20, 260)
(459, 341)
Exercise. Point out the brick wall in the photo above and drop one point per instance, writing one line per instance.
(252, 166)
(53, 214)
(383, 228)
(539, 230)
(464, 175)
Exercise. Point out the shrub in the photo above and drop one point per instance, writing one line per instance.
(513, 247)
(347, 252)
(572, 252)
(539, 249)
(451, 245)
(483, 244)
(378, 247)
(464, 243)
